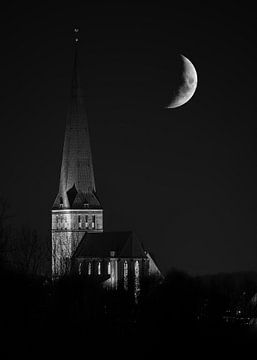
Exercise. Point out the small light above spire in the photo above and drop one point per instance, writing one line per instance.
(76, 31)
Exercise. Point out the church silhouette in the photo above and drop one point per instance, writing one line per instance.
(79, 244)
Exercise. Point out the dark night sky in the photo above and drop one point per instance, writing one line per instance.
(183, 180)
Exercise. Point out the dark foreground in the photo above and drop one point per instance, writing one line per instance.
(183, 316)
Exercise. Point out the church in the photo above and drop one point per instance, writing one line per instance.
(80, 245)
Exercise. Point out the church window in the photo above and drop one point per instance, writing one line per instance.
(80, 265)
(125, 274)
(109, 268)
(137, 268)
(79, 221)
(89, 269)
(86, 219)
(99, 268)
(137, 283)
(61, 202)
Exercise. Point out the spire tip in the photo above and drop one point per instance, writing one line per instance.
(76, 32)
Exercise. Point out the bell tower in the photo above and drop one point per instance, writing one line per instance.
(76, 209)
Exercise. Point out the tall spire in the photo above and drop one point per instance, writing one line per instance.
(77, 183)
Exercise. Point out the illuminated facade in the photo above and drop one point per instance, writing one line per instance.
(79, 244)
(116, 259)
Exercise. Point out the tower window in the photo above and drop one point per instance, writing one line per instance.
(79, 221)
(86, 220)
(93, 222)
(57, 222)
(109, 268)
(99, 268)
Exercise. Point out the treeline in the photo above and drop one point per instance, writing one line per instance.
(22, 249)
(73, 314)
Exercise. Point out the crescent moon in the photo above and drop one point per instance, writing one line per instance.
(188, 86)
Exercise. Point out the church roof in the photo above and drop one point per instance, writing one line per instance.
(77, 183)
(100, 245)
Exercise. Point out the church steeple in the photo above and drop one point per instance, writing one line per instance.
(76, 209)
(77, 184)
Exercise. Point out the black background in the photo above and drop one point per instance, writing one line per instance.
(184, 179)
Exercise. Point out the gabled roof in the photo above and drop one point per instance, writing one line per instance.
(99, 245)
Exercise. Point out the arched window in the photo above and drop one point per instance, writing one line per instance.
(137, 268)
(80, 265)
(99, 268)
(89, 269)
(109, 268)
(125, 275)
(137, 274)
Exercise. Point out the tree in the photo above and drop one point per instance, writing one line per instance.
(29, 252)
(5, 230)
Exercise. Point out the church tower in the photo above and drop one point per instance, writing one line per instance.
(76, 209)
